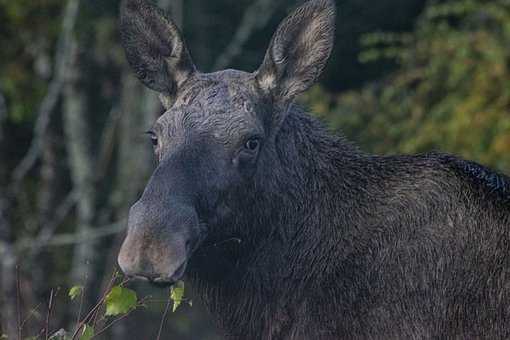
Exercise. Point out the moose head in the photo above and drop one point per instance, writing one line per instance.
(217, 132)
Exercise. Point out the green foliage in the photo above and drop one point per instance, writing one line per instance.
(87, 332)
(451, 90)
(75, 291)
(31, 29)
(177, 294)
(120, 300)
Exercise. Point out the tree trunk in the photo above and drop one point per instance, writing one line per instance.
(8, 303)
(81, 165)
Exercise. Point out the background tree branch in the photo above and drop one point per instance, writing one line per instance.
(48, 104)
(254, 18)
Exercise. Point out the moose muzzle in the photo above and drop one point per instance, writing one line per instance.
(157, 246)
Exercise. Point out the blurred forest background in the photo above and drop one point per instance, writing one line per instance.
(406, 76)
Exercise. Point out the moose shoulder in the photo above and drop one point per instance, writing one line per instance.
(288, 232)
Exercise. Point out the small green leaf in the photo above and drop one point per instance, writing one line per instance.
(87, 333)
(177, 294)
(120, 300)
(75, 291)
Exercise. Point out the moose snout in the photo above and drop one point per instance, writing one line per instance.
(159, 242)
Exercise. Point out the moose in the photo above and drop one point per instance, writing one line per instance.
(286, 231)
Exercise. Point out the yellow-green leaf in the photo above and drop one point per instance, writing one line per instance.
(87, 333)
(120, 300)
(75, 291)
(177, 294)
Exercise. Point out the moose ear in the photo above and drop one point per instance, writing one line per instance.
(298, 51)
(154, 47)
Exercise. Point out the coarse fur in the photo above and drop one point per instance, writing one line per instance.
(361, 246)
(307, 237)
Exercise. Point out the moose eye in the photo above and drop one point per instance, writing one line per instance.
(252, 144)
(153, 137)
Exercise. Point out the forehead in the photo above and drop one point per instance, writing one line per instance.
(214, 90)
(223, 103)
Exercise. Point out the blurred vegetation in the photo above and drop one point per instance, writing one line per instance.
(450, 91)
(31, 29)
(406, 76)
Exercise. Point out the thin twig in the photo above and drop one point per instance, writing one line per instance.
(140, 304)
(163, 318)
(48, 315)
(31, 314)
(94, 309)
(18, 304)
(61, 64)
(219, 243)
(113, 323)
(8, 260)
(74, 238)
(48, 230)
(160, 301)
(80, 308)
(3, 107)
(255, 17)
(3, 114)
(67, 204)
(107, 142)
(107, 289)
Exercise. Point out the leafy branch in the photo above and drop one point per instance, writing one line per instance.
(115, 304)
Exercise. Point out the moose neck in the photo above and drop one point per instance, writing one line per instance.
(304, 183)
